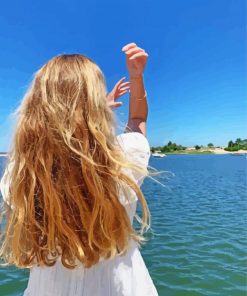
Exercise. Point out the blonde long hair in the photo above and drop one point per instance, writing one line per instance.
(66, 175)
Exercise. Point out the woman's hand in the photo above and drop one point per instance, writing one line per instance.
(136, 59)
(118, 90)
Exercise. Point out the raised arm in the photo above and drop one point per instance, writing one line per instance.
(136, 58)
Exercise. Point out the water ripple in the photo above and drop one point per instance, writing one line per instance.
(199, 240)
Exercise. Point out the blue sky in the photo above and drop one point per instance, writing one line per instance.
(195, 76)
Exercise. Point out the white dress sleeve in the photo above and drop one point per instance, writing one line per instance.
(137, 150)
(4, 183)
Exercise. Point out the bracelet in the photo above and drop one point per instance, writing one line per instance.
(139, 99)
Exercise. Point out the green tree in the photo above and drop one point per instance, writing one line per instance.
(197, 147)
(210, 145)
(173, 146)
(233, 148)
(230, 144)
(164, 149)
(238, 142)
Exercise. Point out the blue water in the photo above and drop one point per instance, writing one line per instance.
(198, 242)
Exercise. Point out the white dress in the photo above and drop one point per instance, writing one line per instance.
(121, 276)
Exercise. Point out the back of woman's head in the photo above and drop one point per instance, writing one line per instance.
(66, 171)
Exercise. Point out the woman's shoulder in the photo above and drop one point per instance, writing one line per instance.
(134, 142)
(5, 181)
(137, 150)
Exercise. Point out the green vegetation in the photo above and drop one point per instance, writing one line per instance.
(190, 152)
(237, 145)
(171, 148)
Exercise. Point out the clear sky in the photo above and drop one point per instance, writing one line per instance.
(196, 72)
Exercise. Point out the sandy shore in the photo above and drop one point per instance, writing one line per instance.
(221, 151)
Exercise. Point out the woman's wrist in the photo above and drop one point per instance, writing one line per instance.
(136, 77)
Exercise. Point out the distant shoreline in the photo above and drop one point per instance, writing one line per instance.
(194, 151)
(206, 151)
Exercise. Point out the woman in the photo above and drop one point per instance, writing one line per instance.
(71, 185)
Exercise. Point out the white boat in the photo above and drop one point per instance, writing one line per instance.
(158, 154)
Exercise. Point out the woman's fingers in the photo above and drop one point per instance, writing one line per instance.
(124, 89)
(139, 54)
(120, 82)
(125, 84)
(123, 92)
(134, 50)
(115, 105)
(135, 59)
(128, 46)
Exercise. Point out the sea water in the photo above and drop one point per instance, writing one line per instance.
(197, 244)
